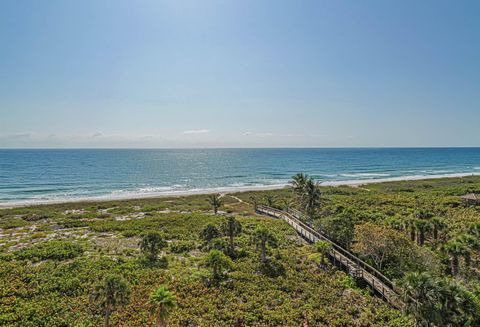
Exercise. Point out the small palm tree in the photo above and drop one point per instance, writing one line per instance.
(470, 243)
(231, 228)
(215, 202)
(269, 200)
(409, 224)
(254, 202)
(323, 248)
(151, 245)
(219, 263)
(474, 230)
(455, 250)
(422, 226)
(287, 204)
(419, 292)
(437, 224)
(163, 303)
(209, 233)
(459, 307)
(112, 293)
(263, 237)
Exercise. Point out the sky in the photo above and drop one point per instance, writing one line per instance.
(250, 73)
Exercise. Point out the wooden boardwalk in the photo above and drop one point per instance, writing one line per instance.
(352, 264)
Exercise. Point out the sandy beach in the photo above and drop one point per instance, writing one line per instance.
(228, 190)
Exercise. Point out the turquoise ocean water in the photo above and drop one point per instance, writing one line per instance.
(38, 176)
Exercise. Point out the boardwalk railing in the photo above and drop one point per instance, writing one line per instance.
(354, 265)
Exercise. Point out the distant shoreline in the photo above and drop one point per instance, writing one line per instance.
(229, 190)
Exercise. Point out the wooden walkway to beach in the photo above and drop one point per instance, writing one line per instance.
(352, 264)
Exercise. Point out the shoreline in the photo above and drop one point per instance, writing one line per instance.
(227, 190)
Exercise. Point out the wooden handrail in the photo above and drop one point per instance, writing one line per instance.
(348, 254)
(374, 277)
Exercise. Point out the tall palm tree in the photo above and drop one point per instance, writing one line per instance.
(298, 183)
(419, 292)
(215, 202)
(311, 198)
(164, 302)
(263, 237)
(455, 250)
(112, 293)
(231, 228)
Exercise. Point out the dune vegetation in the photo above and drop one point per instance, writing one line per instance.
(207, 260)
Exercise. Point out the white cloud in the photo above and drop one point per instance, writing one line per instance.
(266, 134)
(19, 135)
(196, 131)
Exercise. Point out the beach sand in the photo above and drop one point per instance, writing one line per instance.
(229, 190)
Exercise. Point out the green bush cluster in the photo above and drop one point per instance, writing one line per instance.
(54, 250)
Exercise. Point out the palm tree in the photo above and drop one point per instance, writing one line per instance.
(263, 237)
(419, 292)
(151, 244)
(474, 230)
(209, 233)
(455, 249)
(215, 202)
(323, 248)
(437, 224)
(287, 204)
(298, 183)
(409, 224)
(470, 243)
(458, 306)
(164, 302)
(311, 198)
(438, 301)
(219, 263)
(231, 228)
(422, 226)
(269, 200)
(423, 214)
(254, 202)
(110, 294)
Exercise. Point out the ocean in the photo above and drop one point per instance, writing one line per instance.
(43, 176)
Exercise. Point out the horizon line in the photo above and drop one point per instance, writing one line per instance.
(230, 147)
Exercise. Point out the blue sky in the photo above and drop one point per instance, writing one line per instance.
(239, 73)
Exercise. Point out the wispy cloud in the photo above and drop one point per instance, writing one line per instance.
(266, 134)
(19, 135)
(196, 131)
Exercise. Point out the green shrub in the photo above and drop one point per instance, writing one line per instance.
(54, 250)
(182, 246)
(10, 223)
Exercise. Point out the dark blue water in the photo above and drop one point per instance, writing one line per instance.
(34, 176)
